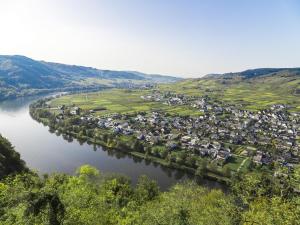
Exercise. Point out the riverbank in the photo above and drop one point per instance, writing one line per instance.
(48, 152)
(122, 143)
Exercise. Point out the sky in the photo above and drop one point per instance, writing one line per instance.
(188, 38)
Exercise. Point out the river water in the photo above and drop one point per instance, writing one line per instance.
(47, 152)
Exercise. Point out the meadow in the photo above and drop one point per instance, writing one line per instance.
(251, 94)
(121, 101)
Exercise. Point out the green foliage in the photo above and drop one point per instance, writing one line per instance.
(146, 190)
(274, 211)
(202, 168)
(10, 161)
(94, 198)
(188, 204)
(87, 171)
(120, 101)
(258, 184)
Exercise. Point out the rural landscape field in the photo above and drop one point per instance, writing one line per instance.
(126, 112)
(131, 104)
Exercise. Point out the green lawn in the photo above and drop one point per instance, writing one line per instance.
(235, 162)
(120, 101)
(251, 95)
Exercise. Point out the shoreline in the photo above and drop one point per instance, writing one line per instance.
(209, 175)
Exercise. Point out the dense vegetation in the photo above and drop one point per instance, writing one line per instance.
(91, 197)
(10, 161)
(252, 90)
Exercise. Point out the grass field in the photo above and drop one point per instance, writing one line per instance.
(253, 94)
(120, 101)
(238, 163)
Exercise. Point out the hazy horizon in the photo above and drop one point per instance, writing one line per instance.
(175, 75)
(181, 38)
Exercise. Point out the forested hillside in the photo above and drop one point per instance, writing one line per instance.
(91, 197)
(20, 76)
(10, 161)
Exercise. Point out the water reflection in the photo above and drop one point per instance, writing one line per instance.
(49, 151)
(19, 103)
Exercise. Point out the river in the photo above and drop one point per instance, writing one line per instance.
(47, 152)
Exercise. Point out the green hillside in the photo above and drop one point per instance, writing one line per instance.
(247, 93)
(21, 76)
(10, 161)
(168, 115)
(94, 198)
(250, 92)
(266, 193)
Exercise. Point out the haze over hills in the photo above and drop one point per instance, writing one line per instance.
(20, 75)
(254, 73)
(251, 89)
(287, 80)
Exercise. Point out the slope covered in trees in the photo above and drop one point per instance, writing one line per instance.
(91, 197)
(10, 161)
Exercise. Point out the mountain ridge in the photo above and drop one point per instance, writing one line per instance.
(61, 68)
(253, 73)
(20, 75)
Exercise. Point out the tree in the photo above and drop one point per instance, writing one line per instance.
(202, 168)
(46, 202)
(137, 146)
(146, 189)
(190, 161)
(10, 161)
(189, 204)
(274, 211)
(259, 184)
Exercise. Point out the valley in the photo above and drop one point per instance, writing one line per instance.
(203, 126)
(21, 76)
(118, 112)
(227, 147)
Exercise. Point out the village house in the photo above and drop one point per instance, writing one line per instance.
(75, 111)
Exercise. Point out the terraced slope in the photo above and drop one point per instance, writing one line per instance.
(250, 91)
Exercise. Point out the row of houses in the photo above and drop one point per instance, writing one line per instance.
(273, 132)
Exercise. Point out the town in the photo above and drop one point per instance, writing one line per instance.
(219, 134)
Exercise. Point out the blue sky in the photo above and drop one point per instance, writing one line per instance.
(176, 37)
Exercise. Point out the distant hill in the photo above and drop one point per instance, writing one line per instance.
(260, 72)
(20, 75)
(251, 89)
